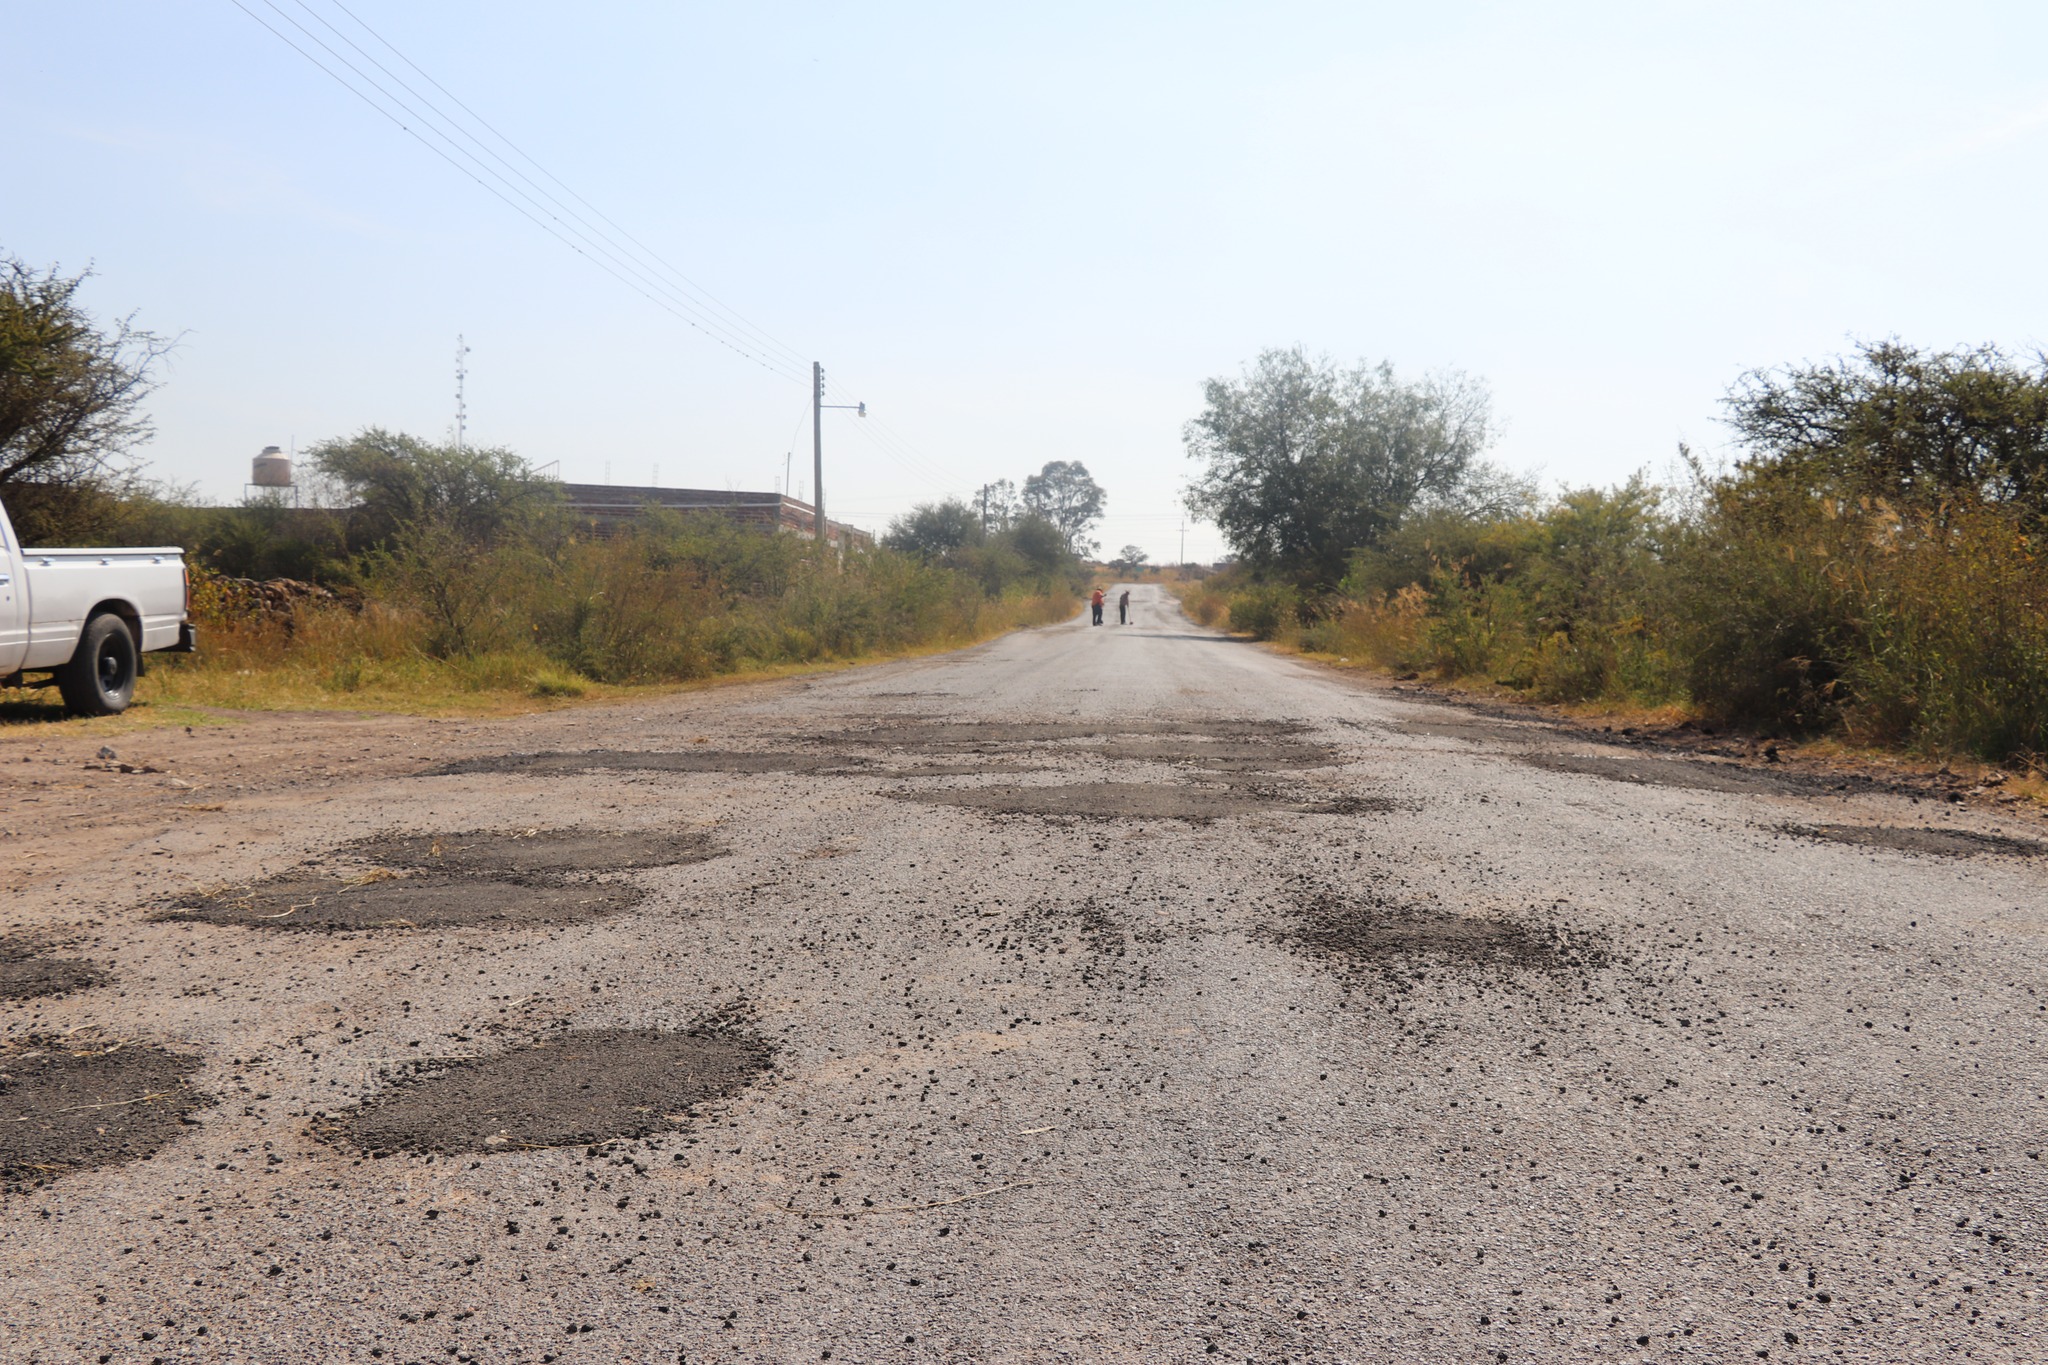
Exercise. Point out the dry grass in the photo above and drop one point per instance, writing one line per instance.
(334, 659)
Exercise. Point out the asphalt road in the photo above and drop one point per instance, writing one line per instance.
(1193, 1003)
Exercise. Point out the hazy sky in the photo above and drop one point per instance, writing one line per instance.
(1024, 233)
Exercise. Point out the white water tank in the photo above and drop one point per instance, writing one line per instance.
(273, 469)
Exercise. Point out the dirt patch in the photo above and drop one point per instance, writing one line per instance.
(1947, 843)
(591, 1086)
(1685, 774)
(1349, 804)
(945, 734)
(1221, 755)
(25, 977)
(653, 761)
(1474, 731)
(535, 853)
(1110, 801)
(1393, 939)
(960, 770)
(335, 904)
(64, 1108)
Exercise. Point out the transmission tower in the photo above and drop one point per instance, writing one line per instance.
(461, 407)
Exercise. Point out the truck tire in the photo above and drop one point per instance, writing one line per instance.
(100, 679)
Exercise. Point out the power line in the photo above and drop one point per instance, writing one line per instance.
(521, 209)
(638, 267)
(736, 327)
(767, 340)
(688, 312)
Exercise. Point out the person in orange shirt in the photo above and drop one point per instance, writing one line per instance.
(1096, 602)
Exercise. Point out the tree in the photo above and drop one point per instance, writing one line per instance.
(1130, 559)
(930, 530)
(998, 505)
(1903, 424)
(1065, 495)
(1305, 463)
(1041, 545)
(397, 482)
(70, 392)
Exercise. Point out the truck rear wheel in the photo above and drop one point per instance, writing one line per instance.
(100, 679)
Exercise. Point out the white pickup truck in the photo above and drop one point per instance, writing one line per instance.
(86, 617)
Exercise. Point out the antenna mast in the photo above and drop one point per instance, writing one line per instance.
(461, 407)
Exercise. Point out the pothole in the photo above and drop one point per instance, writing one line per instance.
(337, 904)
(1948, 843)
(1399, 940)
(66, 1108)
(546, 852)
(1115, 801)
(1689, 775)
(25, 975)
(652, 761)
(580, 1087)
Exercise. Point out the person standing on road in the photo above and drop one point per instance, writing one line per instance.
(1123, 608)
(1096, 602)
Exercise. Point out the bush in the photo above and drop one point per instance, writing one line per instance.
(1264, 610)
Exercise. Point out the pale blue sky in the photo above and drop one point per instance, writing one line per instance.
(1024, 233)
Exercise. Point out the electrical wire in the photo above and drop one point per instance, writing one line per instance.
(694, 316)
(511, 203)
(767, 340)
(737, 330)
(642, 271)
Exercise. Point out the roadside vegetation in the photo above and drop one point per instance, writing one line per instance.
(1869, 569)
(453, 577)
(431, 577)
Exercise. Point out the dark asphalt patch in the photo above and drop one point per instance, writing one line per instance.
(652, 761)
(337, 904)
(1119, 801)
(1685, 774)
(546, 852)
(1947, 843)
(1396, 939)
(591, 1086)
(24, 975)
(64, 1109)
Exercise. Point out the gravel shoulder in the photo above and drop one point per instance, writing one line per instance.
(1092, 994)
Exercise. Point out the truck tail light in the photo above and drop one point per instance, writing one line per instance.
(185, 578)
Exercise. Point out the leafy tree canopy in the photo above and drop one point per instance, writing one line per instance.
(1064, 494)
(398, 483)
(1897, 422)
(1130, 559)
(932, 530)
(998, 505)
(1305, 463)
(71, 392)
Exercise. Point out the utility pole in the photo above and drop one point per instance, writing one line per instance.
(818, 456)
(818, 406)
(1183, 540)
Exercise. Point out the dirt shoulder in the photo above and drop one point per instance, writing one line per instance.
(78, 789)
(1816, 762)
